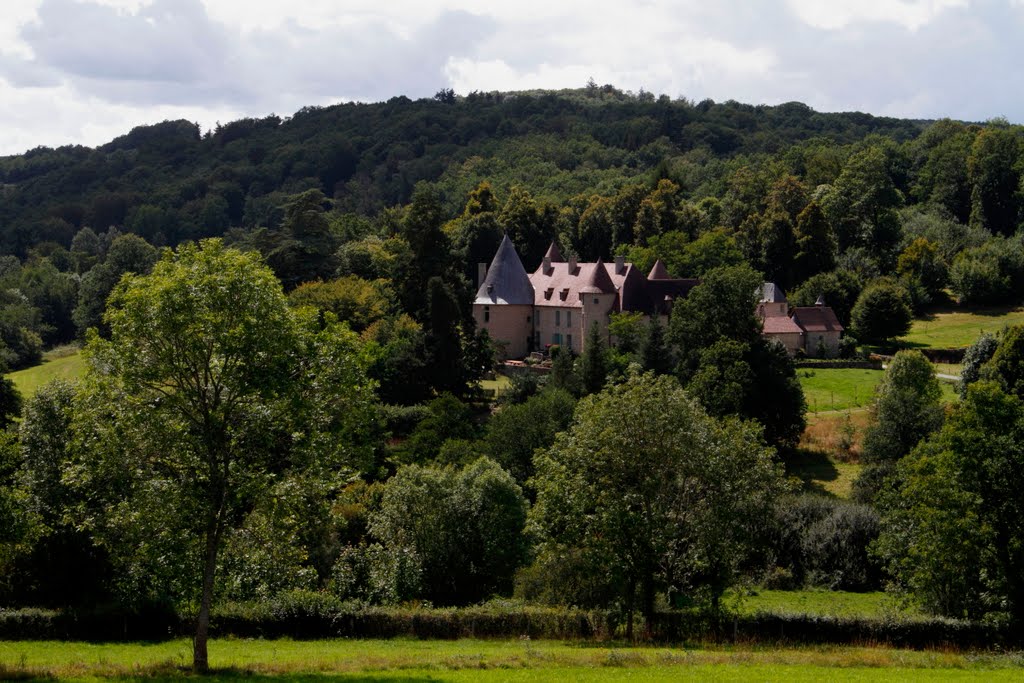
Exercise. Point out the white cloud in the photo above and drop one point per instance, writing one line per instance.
(838, 14)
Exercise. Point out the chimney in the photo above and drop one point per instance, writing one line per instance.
(572, 265)
(481, 274)
(547, 265)
(620, 265)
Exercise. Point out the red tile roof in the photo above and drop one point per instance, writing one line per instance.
(781, 324)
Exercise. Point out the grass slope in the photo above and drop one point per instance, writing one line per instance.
(67, 365)
(495, 660)
(955, 329)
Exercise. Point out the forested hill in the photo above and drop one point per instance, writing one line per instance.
(168, 182)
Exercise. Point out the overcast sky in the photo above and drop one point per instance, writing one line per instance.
(85, 71)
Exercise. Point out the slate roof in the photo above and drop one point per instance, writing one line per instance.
(598, 281)
(769, 292)
(663, 293)
(658, 272)
(506, 281)
(553, 253)
(562, 288)
(816, 319)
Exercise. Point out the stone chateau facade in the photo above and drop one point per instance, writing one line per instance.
(559, 302)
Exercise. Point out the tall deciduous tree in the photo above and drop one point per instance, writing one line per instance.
(907, 408)
(994, 173)
(816, 243)
(951, 528)
(882, 312)
(209, 385)
(648, 493)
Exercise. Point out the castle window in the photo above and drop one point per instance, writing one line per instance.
(596, 300)
(568, 340)
(487, 314)
(568, 318)
(558, 318)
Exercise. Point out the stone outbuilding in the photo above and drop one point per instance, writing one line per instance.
(815, 330)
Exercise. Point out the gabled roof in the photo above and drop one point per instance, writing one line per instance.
(781, 324)
(769, 292)
(553, 253)
(658, 272)
(506, 281)
(598, 281)
(816, 319)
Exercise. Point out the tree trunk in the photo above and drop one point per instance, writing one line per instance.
(630, 606)
(647, 596)
(200, 656)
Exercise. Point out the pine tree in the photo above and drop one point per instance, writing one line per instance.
(655, 353)
(594, 361)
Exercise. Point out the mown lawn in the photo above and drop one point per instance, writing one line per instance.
(956, 329)
(496, 660)
(831, 389)
(65, 364)
(844, 389)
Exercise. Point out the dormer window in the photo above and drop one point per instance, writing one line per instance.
(548, 292)
(563, 294)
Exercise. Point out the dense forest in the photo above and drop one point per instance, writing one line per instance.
(348, 450)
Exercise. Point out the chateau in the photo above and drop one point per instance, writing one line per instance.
(563, 298)
(559, 302)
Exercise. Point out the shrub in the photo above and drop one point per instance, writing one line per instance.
(824, 542)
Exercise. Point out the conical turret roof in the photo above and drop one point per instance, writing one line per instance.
(598, 281)
(506, 281)
(554, 254)
(659, 272)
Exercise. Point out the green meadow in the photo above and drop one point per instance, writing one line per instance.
(63, 363)
(957, 329)
(495, 660)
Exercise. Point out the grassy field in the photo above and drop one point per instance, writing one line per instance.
(820, 602)
(496, 660)
(955, 329)
(64, 363)
(844, 389)
(834, 389)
